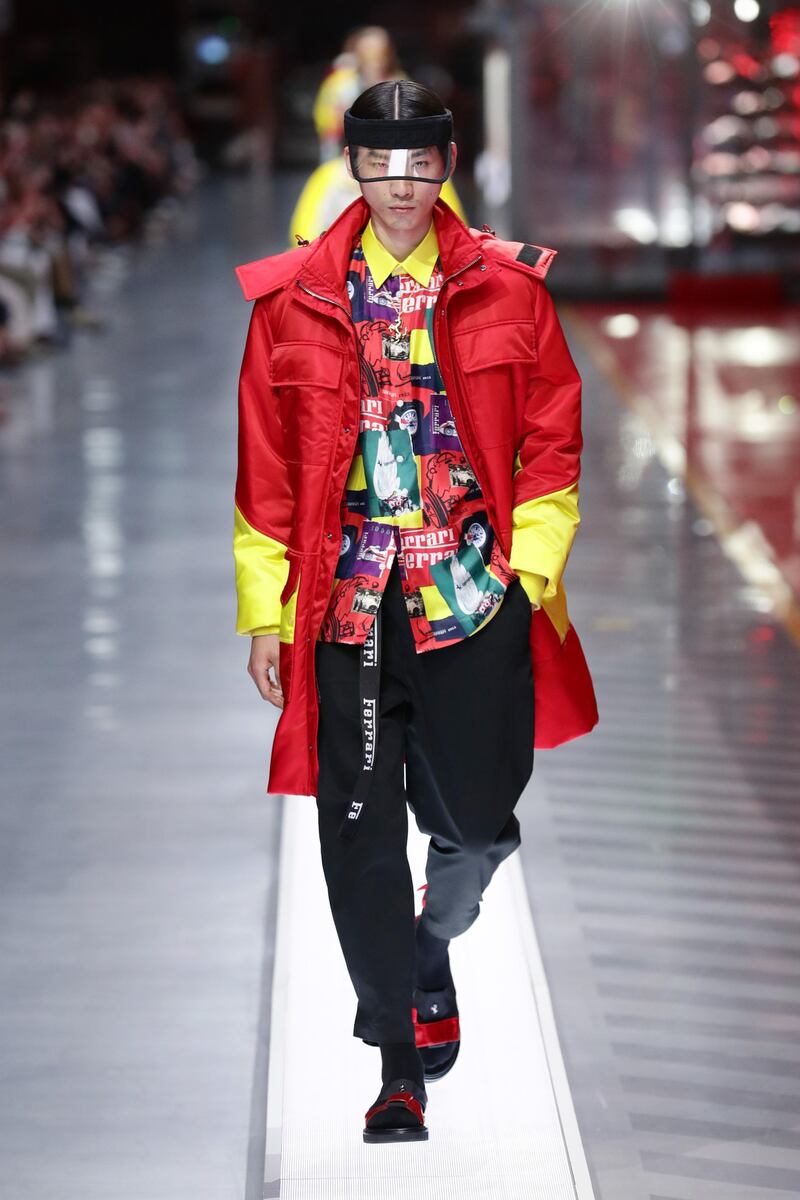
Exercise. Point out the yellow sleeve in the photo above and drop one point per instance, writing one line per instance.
(543, 530)
(261, 574)
(263, 500)
(533, 585)
(544, 514)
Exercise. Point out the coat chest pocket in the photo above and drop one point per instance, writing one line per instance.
(496, 362)
(306, 378)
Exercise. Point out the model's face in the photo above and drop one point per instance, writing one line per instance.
(402, 204)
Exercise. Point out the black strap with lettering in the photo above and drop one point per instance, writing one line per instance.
(369, 674)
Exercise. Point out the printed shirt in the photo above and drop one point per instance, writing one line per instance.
(410, 492)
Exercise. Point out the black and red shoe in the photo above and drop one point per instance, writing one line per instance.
(437, 1030)
(398, 1114)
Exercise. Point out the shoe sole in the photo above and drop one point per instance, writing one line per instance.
(396, 1134)
(441, 1071)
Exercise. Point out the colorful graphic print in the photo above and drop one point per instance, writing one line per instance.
(411, 491)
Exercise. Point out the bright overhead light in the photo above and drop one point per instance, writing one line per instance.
(621, 325)
(786, 65)
(213, 49)
(637, 224)
(746, 10)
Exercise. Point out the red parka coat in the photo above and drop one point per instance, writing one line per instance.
(515, 394)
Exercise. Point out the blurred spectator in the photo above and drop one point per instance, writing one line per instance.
(80, 172)
(368, 56)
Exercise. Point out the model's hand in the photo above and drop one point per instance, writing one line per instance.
(265, 653)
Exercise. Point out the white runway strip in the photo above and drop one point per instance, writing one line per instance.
(501, 1123)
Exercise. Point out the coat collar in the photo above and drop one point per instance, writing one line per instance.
(322, 264)
(325, 267)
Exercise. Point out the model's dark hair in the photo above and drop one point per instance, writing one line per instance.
(397, 99)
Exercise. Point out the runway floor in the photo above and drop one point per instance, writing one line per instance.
(654, 897)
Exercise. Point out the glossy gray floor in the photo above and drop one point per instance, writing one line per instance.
(138, 850)
(662, 853)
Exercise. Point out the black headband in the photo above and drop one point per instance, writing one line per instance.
(406, 133)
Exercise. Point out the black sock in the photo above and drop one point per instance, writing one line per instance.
(401, 1060)
(433, 960)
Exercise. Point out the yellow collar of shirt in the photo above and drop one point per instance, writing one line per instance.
(381, 262)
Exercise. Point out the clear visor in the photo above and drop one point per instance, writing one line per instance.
(425, 164)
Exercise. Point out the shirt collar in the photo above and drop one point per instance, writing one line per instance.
(419, 263)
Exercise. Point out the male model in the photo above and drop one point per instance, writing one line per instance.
(406, 501)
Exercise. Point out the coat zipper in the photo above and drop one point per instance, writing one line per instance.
(328, 300)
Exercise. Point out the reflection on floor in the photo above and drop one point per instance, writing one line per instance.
(661, 853)
(719, 395)
(137, 848)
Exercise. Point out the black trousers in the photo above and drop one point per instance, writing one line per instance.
(460, 719)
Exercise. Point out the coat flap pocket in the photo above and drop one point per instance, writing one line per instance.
(494, 345)
(309, 363)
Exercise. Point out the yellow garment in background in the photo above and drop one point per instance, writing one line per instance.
(336, 93)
